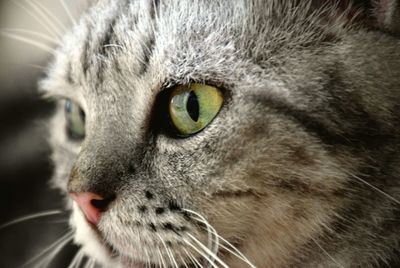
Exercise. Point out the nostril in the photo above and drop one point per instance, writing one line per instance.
(102, 204)
(92, 205)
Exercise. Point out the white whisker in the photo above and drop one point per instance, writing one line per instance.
(234, 250)
(36, 66)
(327, 253)
(51, 16)
(147, 257)
(33, 33)
(68, 11)
(30, 41)
(377, 189)
(211, 262)
(192, 258)
(34, 16)
(169, 253)
(208, 251)
(91, 263)
(161, 257)
(31, 217)
(45, 18)
(182, 260)
(238, 255)
(80, 260)
(77, 259)
(210, 232)
(47, 260)
(64, 239)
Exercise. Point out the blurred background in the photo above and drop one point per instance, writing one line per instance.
(27, 29)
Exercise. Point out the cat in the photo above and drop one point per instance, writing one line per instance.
(242, 133)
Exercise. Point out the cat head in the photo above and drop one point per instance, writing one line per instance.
(232, 132)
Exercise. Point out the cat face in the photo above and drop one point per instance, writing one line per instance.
(235, 133)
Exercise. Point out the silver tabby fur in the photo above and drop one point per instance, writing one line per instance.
(301, 168)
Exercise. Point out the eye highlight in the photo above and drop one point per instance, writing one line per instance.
(75, 118)
(193, 107)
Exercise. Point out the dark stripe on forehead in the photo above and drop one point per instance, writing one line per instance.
(103, 49)
(85, 56)
(107, 38)
(148, 48)
(69, 75)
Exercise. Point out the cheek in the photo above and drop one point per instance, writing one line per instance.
(278, 155)
(280, 181)
(232, 215)
(261, 225)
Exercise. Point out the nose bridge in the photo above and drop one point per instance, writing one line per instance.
(103, 159)
(113, 142)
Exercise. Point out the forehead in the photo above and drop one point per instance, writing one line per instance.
(126, 51)
(128, 44)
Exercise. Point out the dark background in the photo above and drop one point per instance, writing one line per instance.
(25, 166)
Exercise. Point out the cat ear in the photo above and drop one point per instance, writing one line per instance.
(375, 14)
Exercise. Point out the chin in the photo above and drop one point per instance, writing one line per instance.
(90, 242)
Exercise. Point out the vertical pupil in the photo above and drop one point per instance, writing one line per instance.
(192, 106)
(82, 114)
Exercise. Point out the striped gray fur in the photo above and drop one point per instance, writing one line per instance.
(299, 169)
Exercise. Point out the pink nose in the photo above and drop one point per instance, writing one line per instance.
(91, 204)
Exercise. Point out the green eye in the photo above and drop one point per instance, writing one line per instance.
(192, 107)
(75, 120)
